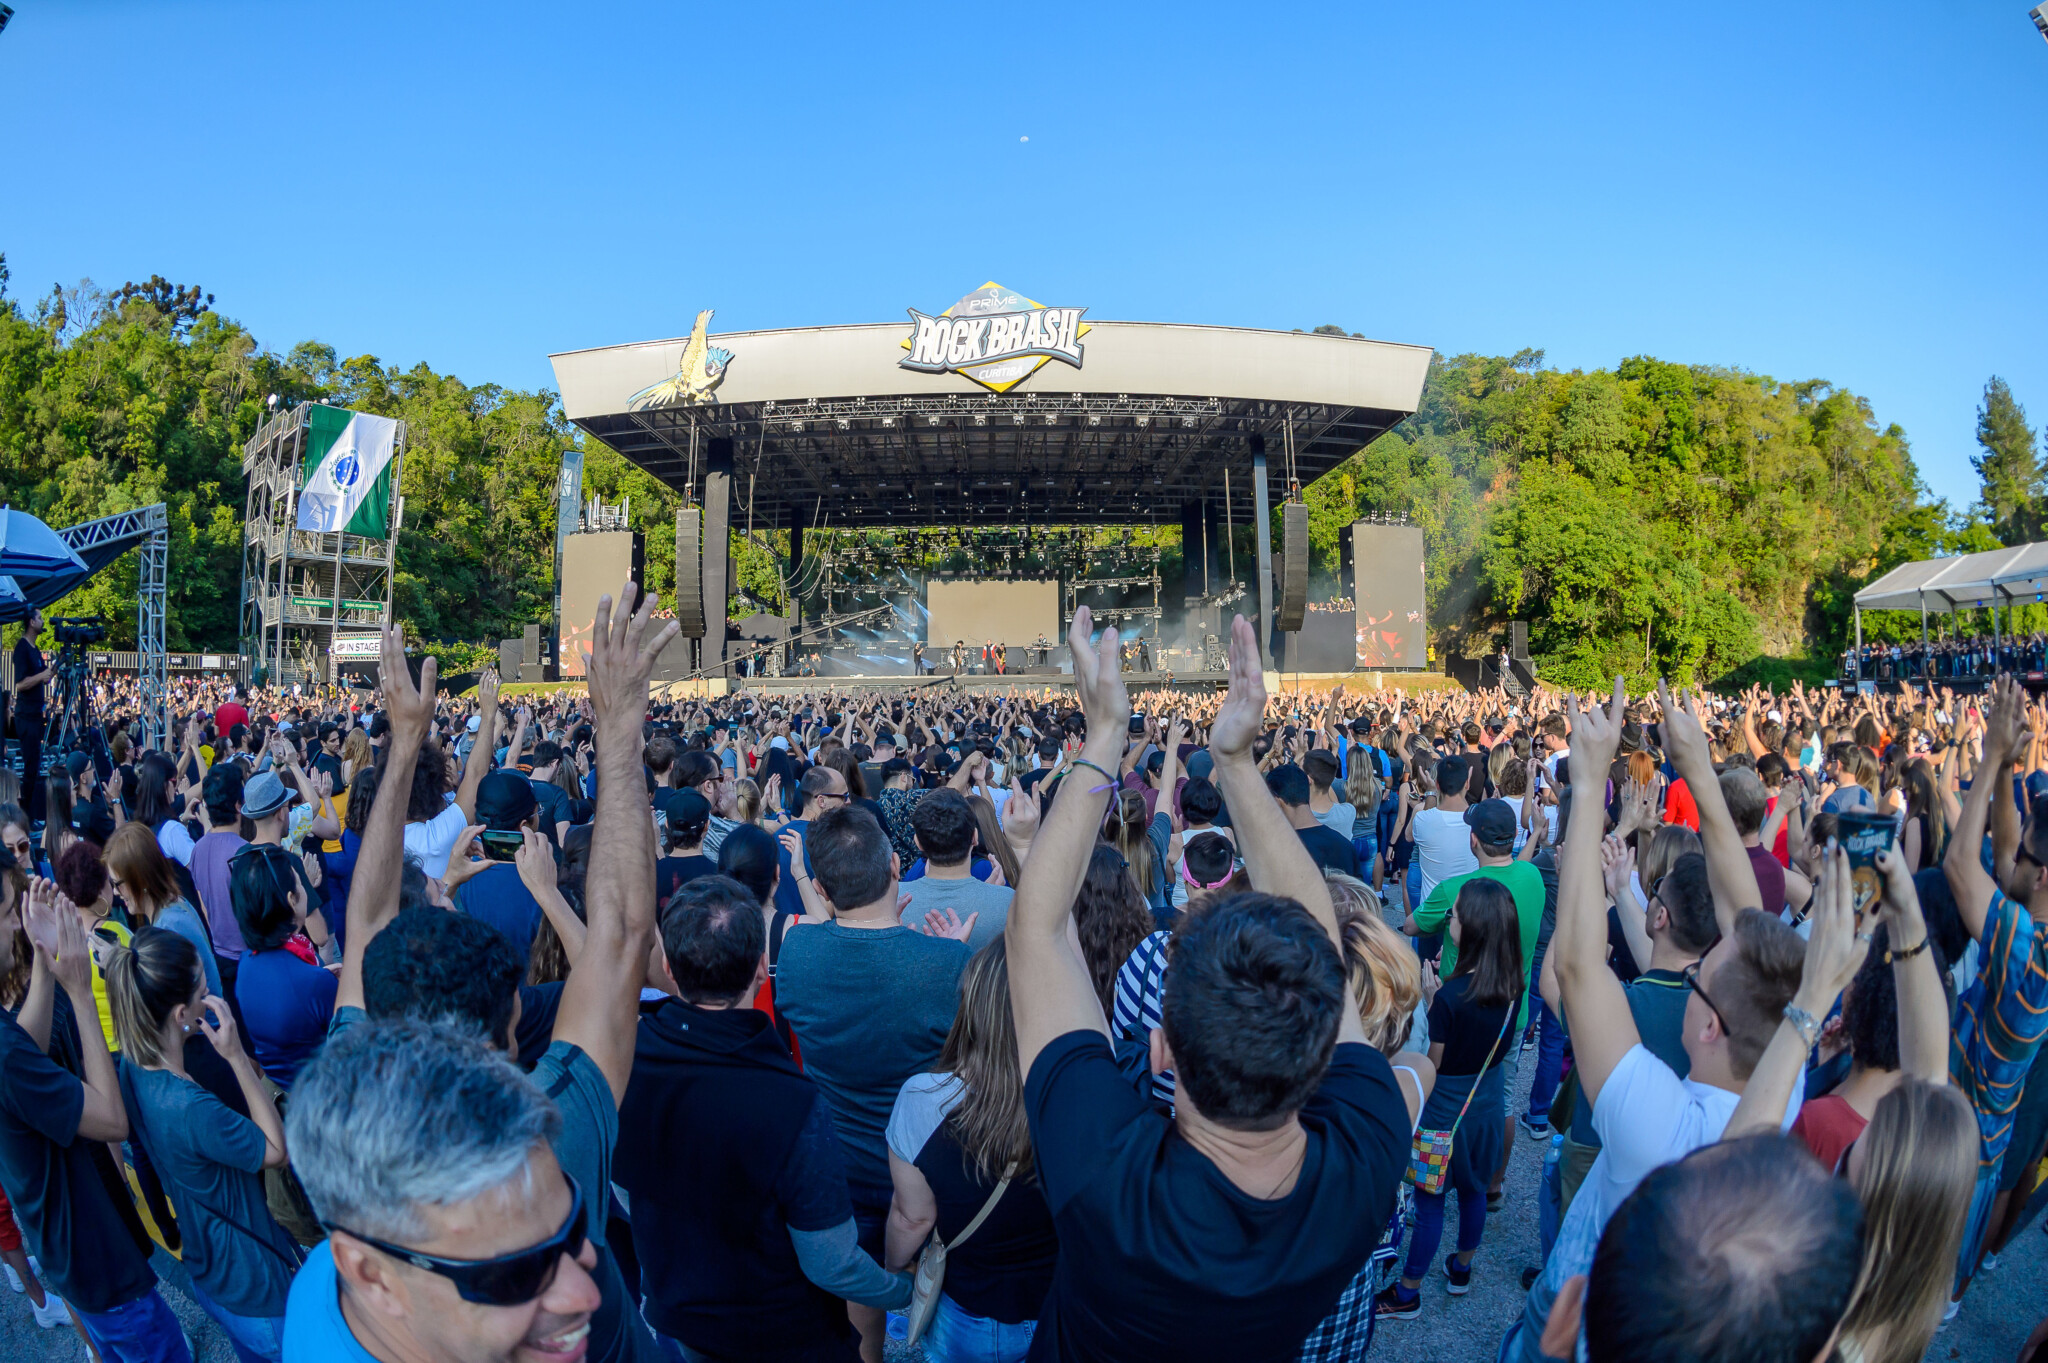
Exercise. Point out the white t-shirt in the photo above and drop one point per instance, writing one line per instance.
(1443, 846)
(175, 842)
(1646, 1116)
(432, 841)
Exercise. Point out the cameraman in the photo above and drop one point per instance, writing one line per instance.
(31, 679)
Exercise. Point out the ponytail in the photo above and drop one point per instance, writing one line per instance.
(153, 974)
(1130, 830)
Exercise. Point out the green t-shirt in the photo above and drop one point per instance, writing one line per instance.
(1525, 884)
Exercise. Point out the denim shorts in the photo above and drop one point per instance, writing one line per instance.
(956, 1337)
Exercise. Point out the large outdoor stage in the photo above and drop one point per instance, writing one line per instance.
(997, 419)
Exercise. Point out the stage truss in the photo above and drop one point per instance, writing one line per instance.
(99, 543)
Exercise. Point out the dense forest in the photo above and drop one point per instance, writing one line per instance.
(1656, 517)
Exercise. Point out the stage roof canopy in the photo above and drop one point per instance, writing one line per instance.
(1995, 576)
(829, 427)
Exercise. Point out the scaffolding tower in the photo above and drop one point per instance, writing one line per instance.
(301, 589)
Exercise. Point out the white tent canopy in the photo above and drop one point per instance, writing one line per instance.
(1994, 577)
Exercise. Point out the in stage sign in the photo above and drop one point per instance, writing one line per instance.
(363, 647)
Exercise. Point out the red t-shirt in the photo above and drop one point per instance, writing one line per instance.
(227, 717)
(1679, 806)
(1829, 1126)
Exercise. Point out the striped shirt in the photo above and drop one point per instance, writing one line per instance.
(1140, 988)
(2000, 1021)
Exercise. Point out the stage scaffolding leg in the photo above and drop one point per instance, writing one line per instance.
(1262, 510)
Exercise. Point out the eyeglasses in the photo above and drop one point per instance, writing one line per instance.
(1691, 975)
(508, 1280)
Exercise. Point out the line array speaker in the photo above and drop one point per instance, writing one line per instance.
(690, 572)
(1293, 566)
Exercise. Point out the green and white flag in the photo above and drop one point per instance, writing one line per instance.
(348, 472)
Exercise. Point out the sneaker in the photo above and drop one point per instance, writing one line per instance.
(1989, 1263)
(13, 1278)
(1460, 1278)
(1391, 1305)
(1529, 1041)
(51, 1313)
(1536, 1129)
(1529, 1277)
(1494, 1202)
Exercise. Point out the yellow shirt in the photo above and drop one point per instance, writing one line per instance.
(121, 937)
(336, 805)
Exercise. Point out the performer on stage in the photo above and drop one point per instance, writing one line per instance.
(1044, 649)
(1002, 659)
(31, 681)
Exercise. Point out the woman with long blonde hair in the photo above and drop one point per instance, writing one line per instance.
(958, 1143)
(1914, 1167)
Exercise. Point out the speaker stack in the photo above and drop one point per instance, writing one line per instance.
(690, 572)
(1293, 605)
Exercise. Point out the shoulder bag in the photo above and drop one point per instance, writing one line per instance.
(1429, 1164)
(931, 1264)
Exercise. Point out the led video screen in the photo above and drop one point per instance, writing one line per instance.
(1393, 629)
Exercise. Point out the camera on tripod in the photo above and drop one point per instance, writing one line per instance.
(80, 629)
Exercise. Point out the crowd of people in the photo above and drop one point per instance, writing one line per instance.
(1972, 657)
(1020, 1023)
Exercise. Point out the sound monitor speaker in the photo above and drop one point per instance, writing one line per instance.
(690, 572)
(1293, 566)
(1518, 638)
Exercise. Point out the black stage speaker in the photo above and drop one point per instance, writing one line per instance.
(690, 572)
(1518, 639)
(1293, 566)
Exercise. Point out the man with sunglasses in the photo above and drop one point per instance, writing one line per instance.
(1644, 1113)
(524, 1273)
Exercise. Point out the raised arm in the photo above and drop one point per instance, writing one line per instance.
(55, 931)
(1729, 873)
(1963, 864)
(1050, 990)
(373, 891)
(1274, 856)
(1834, 952)
(1595, 1007)
(602, 996)
(482, 751)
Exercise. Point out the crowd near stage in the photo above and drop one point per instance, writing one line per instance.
(964, 479)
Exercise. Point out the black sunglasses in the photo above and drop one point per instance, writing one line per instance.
(508, 1280)
(1691, 975)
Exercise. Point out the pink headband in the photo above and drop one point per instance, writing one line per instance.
(1189, 876)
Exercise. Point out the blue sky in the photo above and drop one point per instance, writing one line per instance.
(1851, 192)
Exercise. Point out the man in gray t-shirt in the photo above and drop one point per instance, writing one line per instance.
(945, 831)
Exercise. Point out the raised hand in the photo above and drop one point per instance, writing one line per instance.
(1242, 715)
(1021, 813)
(1838, 944)
(535, 862)
(1098, 676)
(411, 708)
(621, 657)
(1595, 737)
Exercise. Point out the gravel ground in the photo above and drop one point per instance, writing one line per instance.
(2002, 1308)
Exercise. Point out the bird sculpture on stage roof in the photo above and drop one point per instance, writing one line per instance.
(698, 373)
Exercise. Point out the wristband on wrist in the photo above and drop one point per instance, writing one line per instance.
(1805, 1023)
(1892, 957)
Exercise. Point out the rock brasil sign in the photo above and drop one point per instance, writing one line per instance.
(995, 337)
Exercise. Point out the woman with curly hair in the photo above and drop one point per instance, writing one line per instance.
(1112, 919)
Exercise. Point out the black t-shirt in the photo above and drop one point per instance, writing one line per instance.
(60, 1199)
(1161, 1256)
(671, 873)
(28, 660)
(1468, 1030)
(1329, 849)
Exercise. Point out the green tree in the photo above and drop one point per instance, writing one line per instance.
(2010, 467)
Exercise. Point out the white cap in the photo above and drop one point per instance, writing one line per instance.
(1774, 716)
(475, 722)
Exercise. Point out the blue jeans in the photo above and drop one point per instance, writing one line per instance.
(1429, 1228)
(1549, 1062)
(143, 1331)
(256, 1339)
(956, 1337)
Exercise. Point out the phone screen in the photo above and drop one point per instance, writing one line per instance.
(501, 845)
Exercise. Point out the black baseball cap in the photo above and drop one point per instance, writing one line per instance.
(1492, 823)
